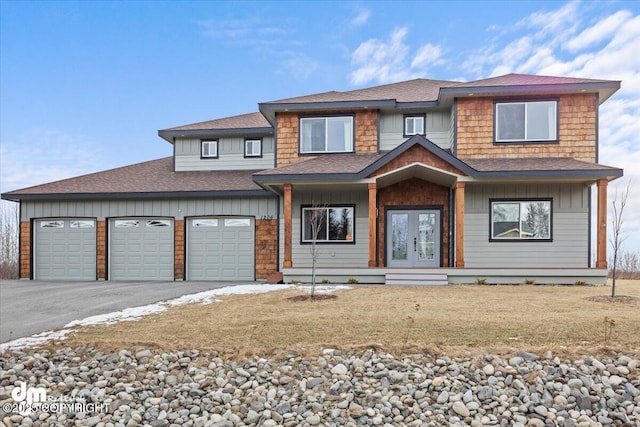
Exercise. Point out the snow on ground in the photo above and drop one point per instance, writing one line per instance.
(135, 313)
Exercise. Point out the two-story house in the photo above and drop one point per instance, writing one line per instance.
(422, 181)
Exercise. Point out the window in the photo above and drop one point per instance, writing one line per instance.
(521, 220)
(253, 148)
(237, 222)
(127, 223)
(413, 125)
(334, 224)
(204, 222)
(158, 223)
(209, 149)
(52, 224)
(82, 224)
(526, 121)
(326, 134)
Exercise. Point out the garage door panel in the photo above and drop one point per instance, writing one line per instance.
(220, 249)
(141, 249)
(64, 251)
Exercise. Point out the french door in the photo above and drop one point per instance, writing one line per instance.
(413, 238)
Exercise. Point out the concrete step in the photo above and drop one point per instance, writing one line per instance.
(416, 279)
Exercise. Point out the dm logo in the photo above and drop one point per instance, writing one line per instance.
(26, 397)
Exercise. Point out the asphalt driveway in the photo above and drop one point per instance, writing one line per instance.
(30, 307)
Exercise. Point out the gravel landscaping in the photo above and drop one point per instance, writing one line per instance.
(139, 387)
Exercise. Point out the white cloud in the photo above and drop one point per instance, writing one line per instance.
(361, 18)
(392, 60)
(599, 32)
(40, 156)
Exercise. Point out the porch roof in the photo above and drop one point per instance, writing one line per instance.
(540, 167)
(358, 166)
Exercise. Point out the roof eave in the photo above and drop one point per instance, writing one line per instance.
(284, 178)
(171, 134)
(16, 197)
(327, 105)
(604, 89)
(587, 174)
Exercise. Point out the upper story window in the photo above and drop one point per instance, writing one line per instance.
(209, 149)
(534, 121)
(414, 125)
(521, 219)
(253, 148)
(326, 134)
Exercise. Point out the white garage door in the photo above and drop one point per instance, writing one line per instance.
(220, 248)
(65, 249)
(141, 249)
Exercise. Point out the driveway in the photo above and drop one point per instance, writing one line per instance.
(30, 307)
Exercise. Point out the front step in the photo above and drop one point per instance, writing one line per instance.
(416, 279)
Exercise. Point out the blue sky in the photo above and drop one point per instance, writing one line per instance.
(84, 86)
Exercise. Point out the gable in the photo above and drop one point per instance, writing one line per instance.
(417, 154)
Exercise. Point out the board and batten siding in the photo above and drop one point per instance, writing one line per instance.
(570, 227)
(438, 129)
(330, 254)
(230, 155)
(177, 208)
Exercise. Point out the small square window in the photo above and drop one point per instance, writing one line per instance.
(209, 149)
(253, 148)
(414, 125)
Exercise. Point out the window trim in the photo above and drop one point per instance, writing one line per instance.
(411, 116)
(328, 242)
(526, 101)
(326, 116)
(520, 200)
(208, 141)
(250, 156)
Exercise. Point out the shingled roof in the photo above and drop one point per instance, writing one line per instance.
(152, 179)
(540, 166)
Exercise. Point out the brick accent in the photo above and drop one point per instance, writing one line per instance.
(178, 251)
(366, 134)
(25, 250)
(266, 254)
(576, 131)
(414, 192)
(413, 155)
(101, 249)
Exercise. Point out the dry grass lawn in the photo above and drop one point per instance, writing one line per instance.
(454, 319)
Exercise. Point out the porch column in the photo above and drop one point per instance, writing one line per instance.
(373, 209)
(288, 226)
(460, 224)
(601, 245)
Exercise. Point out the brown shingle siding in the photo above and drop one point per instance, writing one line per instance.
(266, 249)
(25, 250)
(576, 131)
(366, 134)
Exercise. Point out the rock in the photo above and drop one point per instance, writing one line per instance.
(339, 369)
(488, 369)
(460, 409)
(355, 410)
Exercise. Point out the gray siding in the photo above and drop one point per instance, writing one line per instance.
(230, 155)
(438, 129)
(570, 228)
(331, 255)
(101, 209)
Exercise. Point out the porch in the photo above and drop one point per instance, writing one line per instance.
(444, 276)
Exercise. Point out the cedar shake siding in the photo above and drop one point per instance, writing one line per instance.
(266, 247)
(577, 129)
(366, 133)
